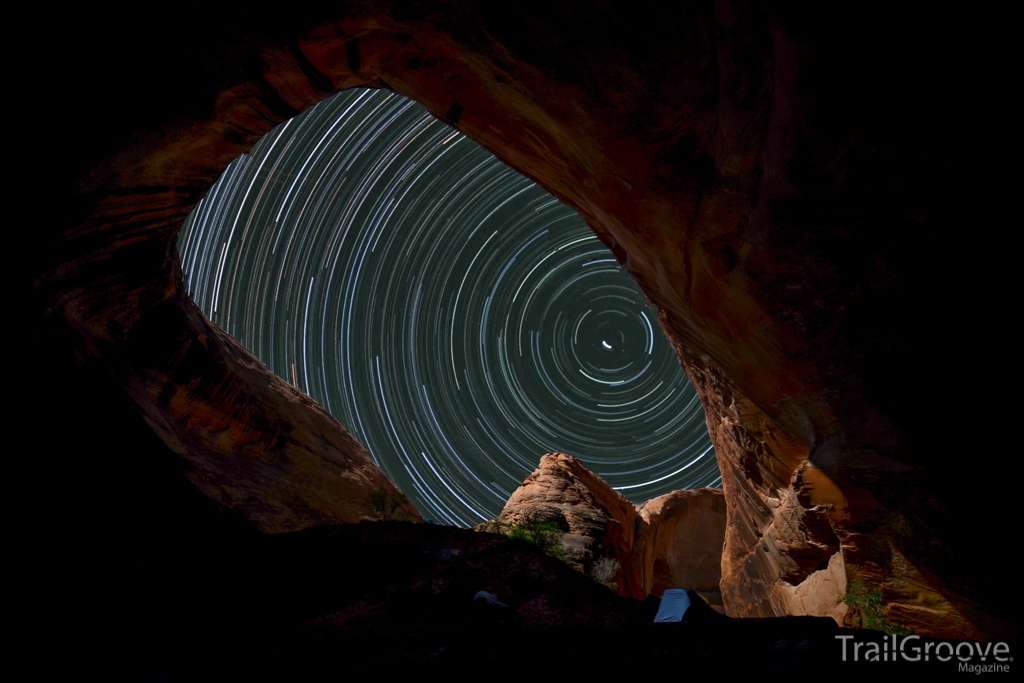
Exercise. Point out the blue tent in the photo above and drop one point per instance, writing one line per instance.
(674, 604)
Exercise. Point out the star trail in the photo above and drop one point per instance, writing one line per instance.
(453, 315)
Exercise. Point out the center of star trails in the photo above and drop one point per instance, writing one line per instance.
(443, 308)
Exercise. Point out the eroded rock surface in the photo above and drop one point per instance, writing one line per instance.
(679, 541)
(673, 541)
(255, 443)
(597, 521)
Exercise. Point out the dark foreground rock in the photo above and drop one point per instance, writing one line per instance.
(398, 598)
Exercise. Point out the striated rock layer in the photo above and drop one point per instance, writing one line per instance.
(255, 443)
(784, 186)
(597, 521)
(672, 541)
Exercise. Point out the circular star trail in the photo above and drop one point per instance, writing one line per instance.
(452, 314)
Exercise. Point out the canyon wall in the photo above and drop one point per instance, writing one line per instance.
(680, 539)
(771, 180)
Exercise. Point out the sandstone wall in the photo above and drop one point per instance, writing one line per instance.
(680, 539)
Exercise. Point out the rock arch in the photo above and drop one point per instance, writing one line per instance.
(764, 180)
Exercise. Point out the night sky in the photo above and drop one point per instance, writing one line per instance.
(453, 315)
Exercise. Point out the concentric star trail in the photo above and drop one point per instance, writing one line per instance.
(452, 314)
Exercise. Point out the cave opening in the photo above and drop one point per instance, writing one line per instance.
(778, 189)
(454, 316)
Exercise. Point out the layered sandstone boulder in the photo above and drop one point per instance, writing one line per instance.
(673, 541)
(597, 522)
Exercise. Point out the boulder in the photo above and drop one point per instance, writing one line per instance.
(597, 521)
(679, 541)
(673, 541)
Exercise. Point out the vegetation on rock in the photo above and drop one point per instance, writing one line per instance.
(868, 612)
(542, 533)
(384, 505)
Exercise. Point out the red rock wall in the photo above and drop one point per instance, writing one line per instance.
(679, 541)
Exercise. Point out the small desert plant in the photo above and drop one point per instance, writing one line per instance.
(604, 571)
(542, 533)
(385, 505)
(868, 612)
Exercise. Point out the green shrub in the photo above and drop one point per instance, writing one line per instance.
(386, 505)
(542, 533)
(868, 611)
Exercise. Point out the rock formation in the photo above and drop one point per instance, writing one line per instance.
(679, 541)
(597, 521)
(788, 187)
(672, 541)
(272, 454)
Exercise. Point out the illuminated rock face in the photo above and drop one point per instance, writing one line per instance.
(597, 521)
(254, 442)
(769, 184)
(672, 541)
(679, 541)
